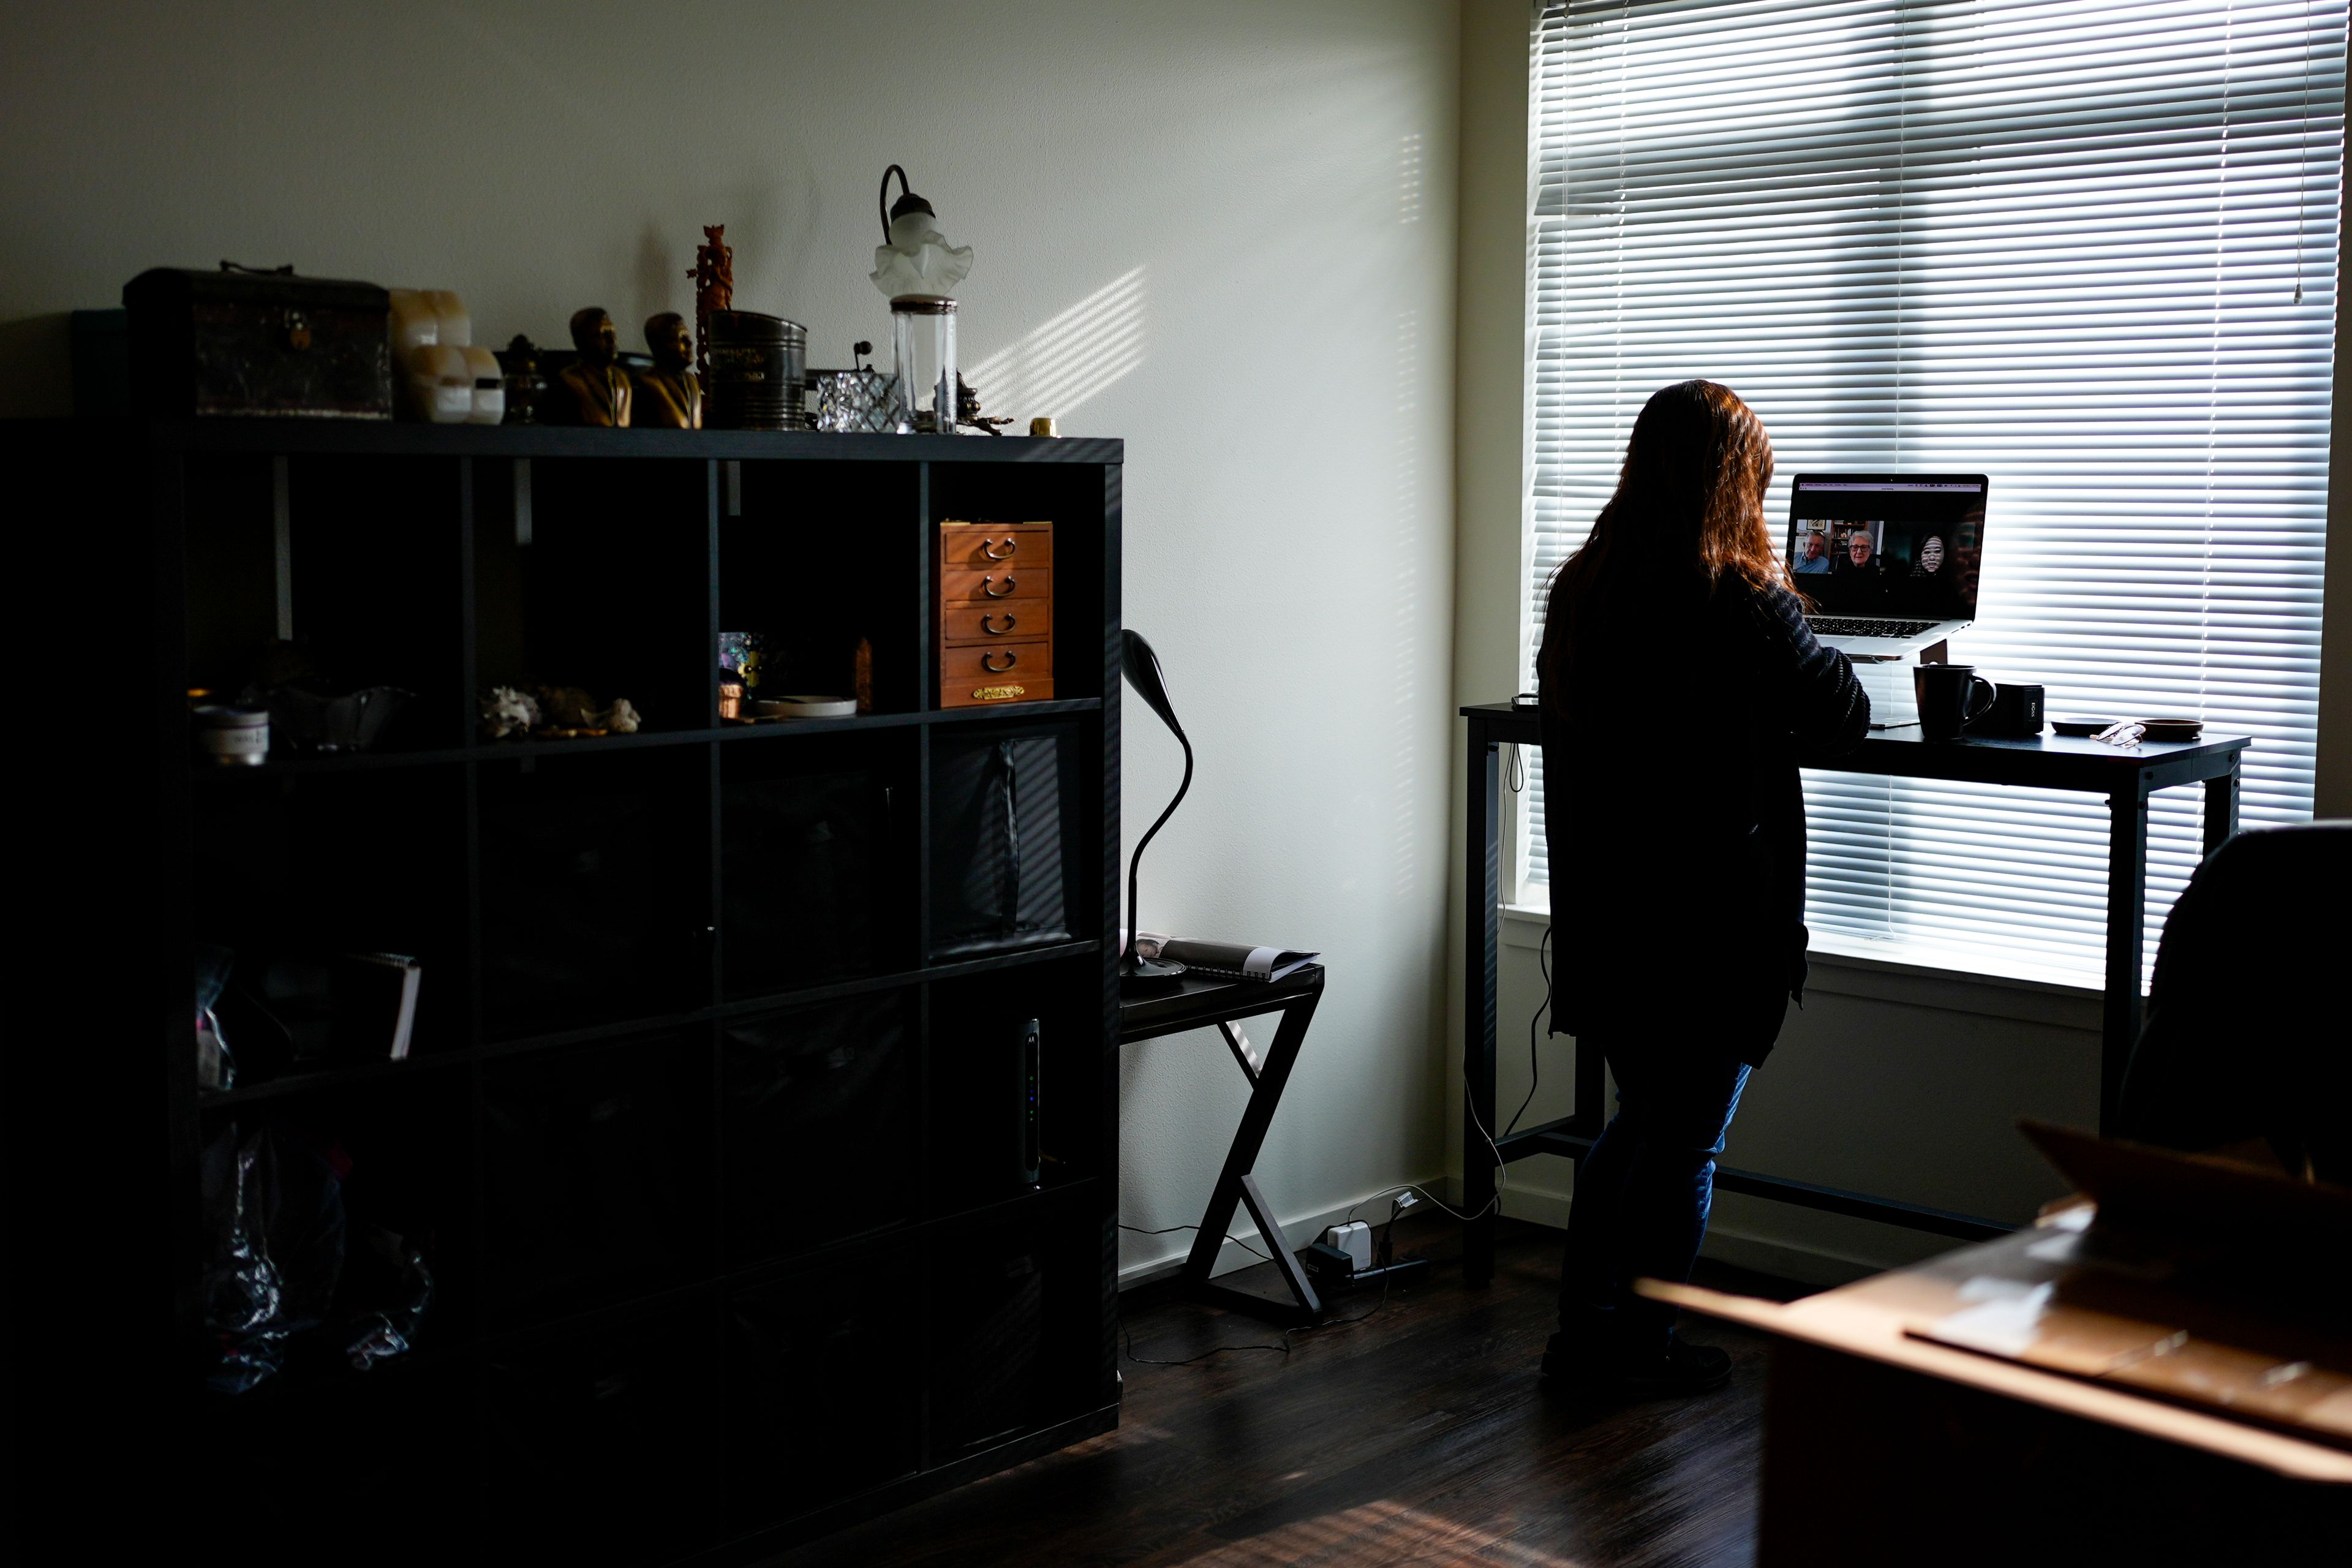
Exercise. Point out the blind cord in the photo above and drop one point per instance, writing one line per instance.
(2303, 155)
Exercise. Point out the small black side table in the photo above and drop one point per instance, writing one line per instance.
(2126, 775)
(1200, 1002)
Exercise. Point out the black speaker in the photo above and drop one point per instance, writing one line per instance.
(1025, 1110)
(2015, 713)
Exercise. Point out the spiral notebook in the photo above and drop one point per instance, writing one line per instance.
(1223, 960)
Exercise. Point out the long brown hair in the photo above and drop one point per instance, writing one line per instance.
(1689, 505)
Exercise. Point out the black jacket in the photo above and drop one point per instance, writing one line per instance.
(1675, 817)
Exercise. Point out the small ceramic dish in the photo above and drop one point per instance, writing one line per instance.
(773, 707)
(2085, 728)
(2171, 728)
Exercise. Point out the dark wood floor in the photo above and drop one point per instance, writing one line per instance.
(1415, 1437)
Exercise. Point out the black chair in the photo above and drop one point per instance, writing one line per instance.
(2247, 1034)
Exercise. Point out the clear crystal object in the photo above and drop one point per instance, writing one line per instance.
(860, 402)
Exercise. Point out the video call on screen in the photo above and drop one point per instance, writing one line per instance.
(1881, 551)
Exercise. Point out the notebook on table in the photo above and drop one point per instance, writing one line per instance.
(1223, 960)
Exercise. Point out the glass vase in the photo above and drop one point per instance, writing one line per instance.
(923, 341)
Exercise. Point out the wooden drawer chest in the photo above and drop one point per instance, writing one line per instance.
(996, 613)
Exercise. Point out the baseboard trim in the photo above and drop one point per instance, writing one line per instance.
(1296, 1233)
(1741, 1244)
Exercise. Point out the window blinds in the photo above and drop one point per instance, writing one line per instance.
(2088, 249)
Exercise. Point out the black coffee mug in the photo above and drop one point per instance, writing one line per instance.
(1950, 696)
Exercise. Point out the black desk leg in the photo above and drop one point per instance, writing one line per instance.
(1481, 938)
(2127, 925)
(1236, 1186)
(2220, 807)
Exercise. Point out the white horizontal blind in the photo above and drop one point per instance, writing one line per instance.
(2085, 247)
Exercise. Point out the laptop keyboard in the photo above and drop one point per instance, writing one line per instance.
(1864, 626)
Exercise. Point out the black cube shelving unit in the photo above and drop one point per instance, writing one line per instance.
(706, 1137)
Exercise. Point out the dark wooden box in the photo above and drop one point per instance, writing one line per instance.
(268, 344)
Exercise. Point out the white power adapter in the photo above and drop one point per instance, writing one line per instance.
(1355, 1240)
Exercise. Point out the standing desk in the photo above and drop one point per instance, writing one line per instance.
(2127, 776)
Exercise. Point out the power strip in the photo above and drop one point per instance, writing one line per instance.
(1344, 1256)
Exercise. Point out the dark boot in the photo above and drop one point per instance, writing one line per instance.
(1590, 1357)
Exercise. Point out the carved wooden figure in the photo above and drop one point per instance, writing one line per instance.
(714, 288)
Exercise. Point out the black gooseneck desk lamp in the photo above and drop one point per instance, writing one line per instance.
(1137, 973)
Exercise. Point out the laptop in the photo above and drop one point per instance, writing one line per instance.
(1890, 561)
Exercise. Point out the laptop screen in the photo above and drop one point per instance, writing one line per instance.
(1888, 544)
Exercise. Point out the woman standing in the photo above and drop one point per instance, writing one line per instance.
(1681, 690)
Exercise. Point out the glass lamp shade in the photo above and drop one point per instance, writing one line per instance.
(916, 261)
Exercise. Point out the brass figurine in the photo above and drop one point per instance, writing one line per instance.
(669, 396)
(714, 288)
(594, 389)
(519, 360)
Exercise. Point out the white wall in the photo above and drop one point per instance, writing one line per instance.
(1222, 230)
(1491, 432)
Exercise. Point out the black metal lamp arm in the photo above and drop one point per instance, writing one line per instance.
(1134, 862)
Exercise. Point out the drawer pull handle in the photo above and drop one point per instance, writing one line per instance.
(1009, 622)
(1009, 586)
(990, 549)
(1010, 659)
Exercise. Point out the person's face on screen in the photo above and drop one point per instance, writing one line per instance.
(1858, 548)
(1815, 547)
(1931, 554)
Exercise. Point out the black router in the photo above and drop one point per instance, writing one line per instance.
(1028, 1058)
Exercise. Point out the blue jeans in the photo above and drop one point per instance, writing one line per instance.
(1643, 1192)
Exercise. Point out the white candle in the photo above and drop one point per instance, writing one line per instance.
(457, 326)
(415, 324)
(441, 384)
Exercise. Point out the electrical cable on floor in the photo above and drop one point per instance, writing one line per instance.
(1167, 1230)
(1426, 1196)
(1127, 1342)
(1535, 1066)
(1387, 1255)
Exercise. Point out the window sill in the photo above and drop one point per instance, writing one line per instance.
(1885, 972)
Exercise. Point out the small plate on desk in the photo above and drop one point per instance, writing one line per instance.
(2172, 729)
(2083, 728)
(785, 709)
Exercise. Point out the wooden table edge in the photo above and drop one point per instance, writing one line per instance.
(1873, 1334)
